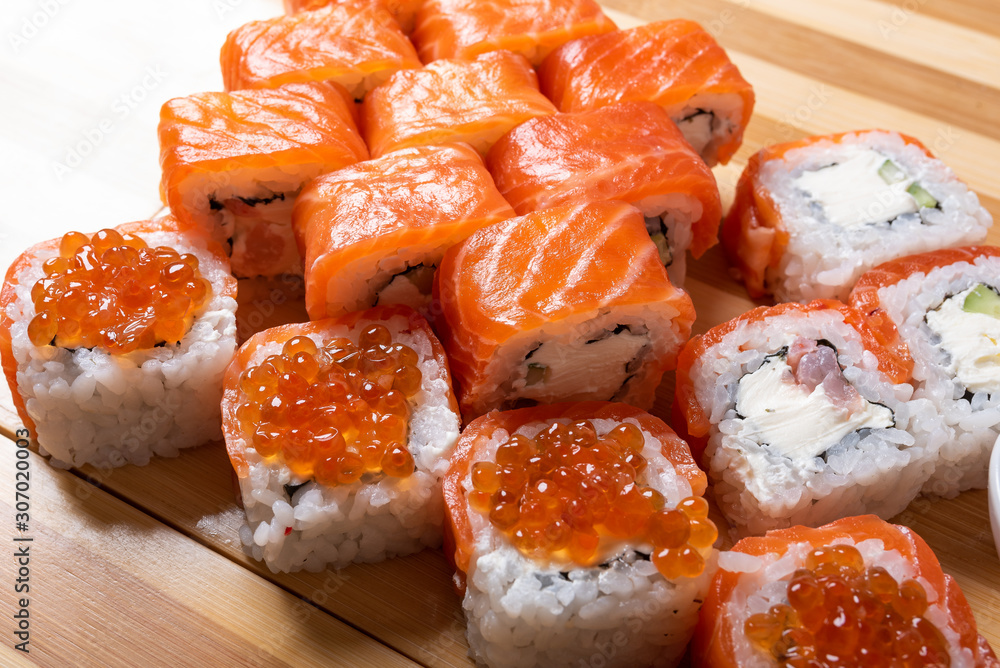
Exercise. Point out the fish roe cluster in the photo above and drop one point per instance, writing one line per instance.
(113, 291)
(334, 412)
(841, 614)
(561, 494)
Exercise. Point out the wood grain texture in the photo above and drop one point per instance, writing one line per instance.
(146, 562)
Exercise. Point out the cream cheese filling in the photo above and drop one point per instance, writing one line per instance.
(972, 340)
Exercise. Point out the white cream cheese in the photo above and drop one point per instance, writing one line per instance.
(852, 193)
(592, 370)
(972, 340)
(778, 413)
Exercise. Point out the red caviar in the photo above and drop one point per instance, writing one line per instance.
(113, 291)
(333, 412)
(564, 492)
(841, 614)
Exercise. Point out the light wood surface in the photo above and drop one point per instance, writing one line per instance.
(143, 565)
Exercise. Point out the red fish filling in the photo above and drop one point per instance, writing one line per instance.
(113, 291)
(566, 492)
(333, 413)
(841, 614)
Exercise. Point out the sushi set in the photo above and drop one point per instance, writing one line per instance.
(524, 338)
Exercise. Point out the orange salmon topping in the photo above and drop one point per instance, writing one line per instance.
(113, 291)
(333, 413)
(565, 492)
(841, 614)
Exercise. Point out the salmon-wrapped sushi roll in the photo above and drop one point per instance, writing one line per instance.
(114, 344)
(565, 304)
(353, 44)
(577, 531)
(474, 101)
(629, 151)
(804, 415)
(404, 11)
(233, 164)
(532, 28)
(857, 592)
(810, 216)
(676, 64)
(340, 431)
(946, 305)
(373, 233)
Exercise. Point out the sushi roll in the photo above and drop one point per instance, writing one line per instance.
(803, 415)
(564, 304)
(404, 11)
(676, 64)
(579, 534)
(946, 307)
(233, 164)
(474, 101)
(339, 431)
(629, 151)
(532, 28)
(114, 344)
(372, 233)
(811, 216)
(356, 45)
(857, 592)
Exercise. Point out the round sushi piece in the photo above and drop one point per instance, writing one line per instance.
(339, 431)
(579, 535)
(804, 414)
(857, 592)
(565, 304)
(114, 344)
(946, 306)
(811, 216)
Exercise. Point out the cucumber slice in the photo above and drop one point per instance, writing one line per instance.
(890, 173)
(537, 373)
(982, 300)
(923, 198)
(663, 248)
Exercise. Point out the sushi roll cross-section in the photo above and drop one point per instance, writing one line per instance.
(532, 28)
(676, 64)
(856, 592)
(570, 303)
(629, 151)
(339, 431)
(811, 216)
(474, 101)
(571, 524)
(114, 344)
(233, 164)
(373, 233)
(805, 414)
(357, 45)
(946, 306)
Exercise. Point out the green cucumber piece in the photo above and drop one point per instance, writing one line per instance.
(663, 248)
(890, 173)
(982, 300)
(923, 198)
(537, 373)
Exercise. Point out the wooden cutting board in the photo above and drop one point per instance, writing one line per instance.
(143, 564)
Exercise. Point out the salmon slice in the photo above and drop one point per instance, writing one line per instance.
(629, 151)
(357, 46)
(234, 162)
(474, 101)
(521, 303)
(373, 232)
(533, 28)
(720, 642)
(404, 11)
(675, 64)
